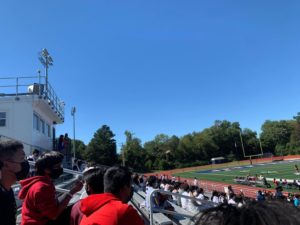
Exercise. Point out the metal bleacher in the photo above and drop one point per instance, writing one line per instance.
(178, 216)
(160, 216)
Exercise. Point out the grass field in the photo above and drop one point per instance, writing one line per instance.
(278, 170)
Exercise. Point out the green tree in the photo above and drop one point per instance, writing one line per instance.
(134, 153)
(275, 133)
(80, 149)
(102, 147)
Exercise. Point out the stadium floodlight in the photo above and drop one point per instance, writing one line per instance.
(73, 111)
(46, 61)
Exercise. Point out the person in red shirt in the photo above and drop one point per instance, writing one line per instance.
(111, 208)
(93, 178)
(40, 202)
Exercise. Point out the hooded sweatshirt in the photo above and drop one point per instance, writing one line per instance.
(40, 203)
(107, 209)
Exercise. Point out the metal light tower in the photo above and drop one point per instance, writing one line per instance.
(242, 143)
(47, 61)
(73, 111)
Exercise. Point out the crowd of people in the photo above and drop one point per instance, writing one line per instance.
(193, 204)
(109, 190)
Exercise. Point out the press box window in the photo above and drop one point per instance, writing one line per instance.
(42, 123)
(36, 122)
(2, 119)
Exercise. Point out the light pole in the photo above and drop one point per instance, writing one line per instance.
(242, 143)
(73, 111)
(47, 61)
(123, 154)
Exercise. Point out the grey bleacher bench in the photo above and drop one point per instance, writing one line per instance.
(158, 218)
(142, 193)
(182, 219)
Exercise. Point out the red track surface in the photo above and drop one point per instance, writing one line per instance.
(219, 186)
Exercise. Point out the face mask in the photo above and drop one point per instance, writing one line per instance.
(1, 165)
(55, 173)
(130, 195)
(86, 190)
(23, 173)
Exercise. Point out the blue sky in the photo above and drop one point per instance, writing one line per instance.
(153, 67)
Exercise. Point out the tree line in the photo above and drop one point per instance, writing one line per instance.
(223, 138)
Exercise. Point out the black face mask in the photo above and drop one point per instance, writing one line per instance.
(23, 173)
(55, 173)
(130, 196)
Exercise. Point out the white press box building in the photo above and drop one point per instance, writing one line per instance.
(29, 112)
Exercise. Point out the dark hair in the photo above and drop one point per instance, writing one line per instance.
(94, 178)
(185, 186)
(47, 160)
(254, 213)
(152, 180)
(36, 151)
(135, 179)
(115, 178)
(192, 188)
(9, 148)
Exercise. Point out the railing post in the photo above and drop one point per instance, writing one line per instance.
(40, 88)
(17, 86)
(151, 211)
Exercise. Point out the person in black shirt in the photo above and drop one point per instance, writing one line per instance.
(14, 167)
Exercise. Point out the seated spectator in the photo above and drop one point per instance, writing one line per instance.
(142, 182)
(184, 201)
(231, 200)
(278, 192)
(111, 208)
(195, 182)
(180, 191)
(290, 198)
(255, 213)
(296, 200)
(222, 198)
(93, 179)
(239, 199)
(175, 191)
(215, 197)
(200, 194)
(260, 196)
(135, 182)
(192, 204)
(40, 204)
(151, 187)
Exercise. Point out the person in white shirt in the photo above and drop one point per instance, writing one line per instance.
(215, 197)
(184, 201)
(195, 182)
(192, 204)
(231, 200)
(222, 198)
(175, 191)
(200, 194)
(152, 182)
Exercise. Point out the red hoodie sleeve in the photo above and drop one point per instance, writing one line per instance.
(131, 217)
(46, 202)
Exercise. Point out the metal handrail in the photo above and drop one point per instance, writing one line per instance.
(48, 93)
